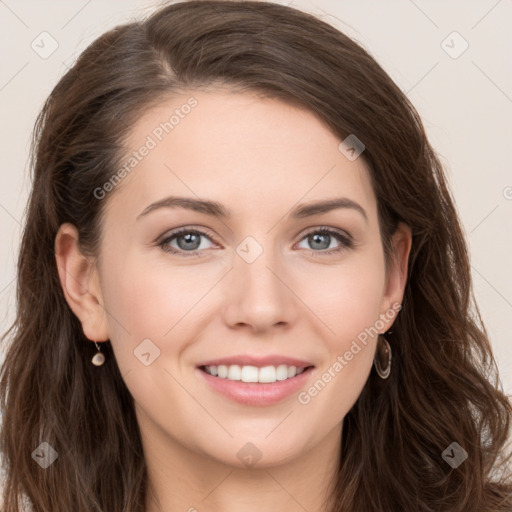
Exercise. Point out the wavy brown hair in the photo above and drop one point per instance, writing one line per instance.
(444, 386)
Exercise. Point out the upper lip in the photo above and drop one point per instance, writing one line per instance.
(259, 361)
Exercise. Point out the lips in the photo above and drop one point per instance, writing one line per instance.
(268, 389)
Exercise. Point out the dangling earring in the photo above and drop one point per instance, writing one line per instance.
(98, 359)
(382, 360)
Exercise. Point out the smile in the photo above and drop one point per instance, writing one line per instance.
(266, 374)
(254, 386)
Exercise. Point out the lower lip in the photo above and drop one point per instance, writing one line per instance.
(256, 393)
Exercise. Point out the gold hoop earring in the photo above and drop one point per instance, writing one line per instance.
(382, 359)
(98, 359)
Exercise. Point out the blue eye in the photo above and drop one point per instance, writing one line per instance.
(321, 238)
(188, 242)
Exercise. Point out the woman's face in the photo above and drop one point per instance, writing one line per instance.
(264, 280)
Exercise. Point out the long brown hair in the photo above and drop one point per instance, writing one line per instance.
(444, 386)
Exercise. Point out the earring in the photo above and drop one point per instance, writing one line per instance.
(382, 360)
(98, 359)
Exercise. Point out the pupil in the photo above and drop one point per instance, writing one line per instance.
(317, 240)
(190, 242)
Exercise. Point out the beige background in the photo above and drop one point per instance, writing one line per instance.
(465, 103)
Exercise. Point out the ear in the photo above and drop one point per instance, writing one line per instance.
(396, 276)
(79, 279)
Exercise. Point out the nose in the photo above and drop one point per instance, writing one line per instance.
(260, 295)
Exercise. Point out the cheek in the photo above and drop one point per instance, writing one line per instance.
(160, 302)
(151, 310)
(347, 297)
(351, 311)
(347, 300)
(148, 299)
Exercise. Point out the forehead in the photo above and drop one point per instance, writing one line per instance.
(238, 148)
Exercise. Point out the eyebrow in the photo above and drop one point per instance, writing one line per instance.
(218, 210)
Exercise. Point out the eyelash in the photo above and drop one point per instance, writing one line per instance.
(346, 241)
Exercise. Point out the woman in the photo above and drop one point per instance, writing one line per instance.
(243, 285)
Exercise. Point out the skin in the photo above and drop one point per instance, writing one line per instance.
(259, 158)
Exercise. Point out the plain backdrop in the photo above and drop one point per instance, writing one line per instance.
(450, 57)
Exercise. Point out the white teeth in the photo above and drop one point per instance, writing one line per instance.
(266, 374)
(234, 372)
(249, 374)
(282, 372)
